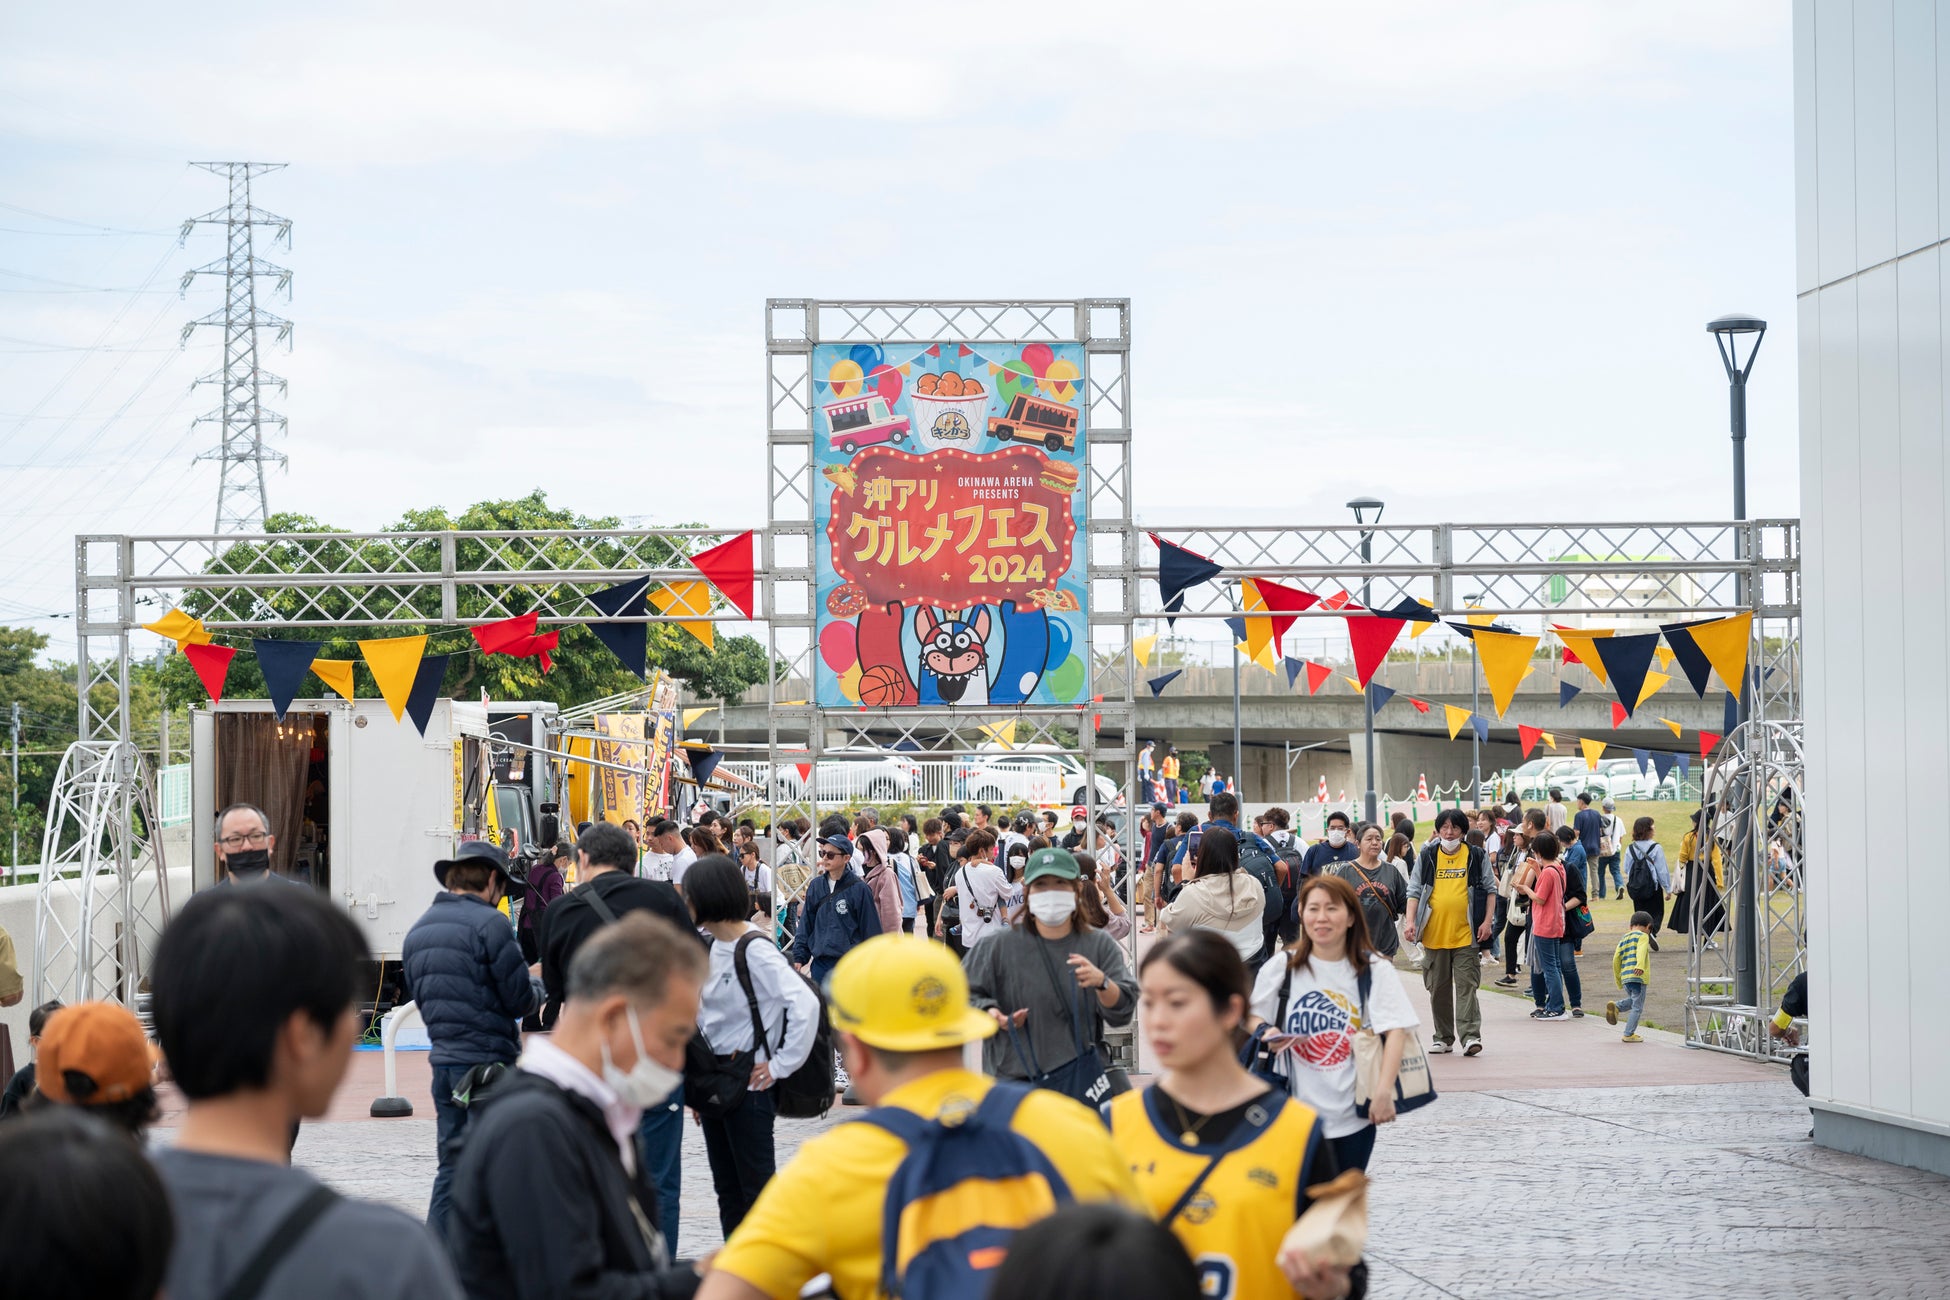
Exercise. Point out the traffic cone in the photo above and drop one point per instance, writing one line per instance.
(1321, 797)
(1422, 788)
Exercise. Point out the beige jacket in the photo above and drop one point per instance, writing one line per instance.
(1230, 904)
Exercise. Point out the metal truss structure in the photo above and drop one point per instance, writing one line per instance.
(241, 416)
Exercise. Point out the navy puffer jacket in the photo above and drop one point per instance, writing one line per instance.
(464, 969)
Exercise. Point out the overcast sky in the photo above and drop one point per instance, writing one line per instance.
(1457, 256)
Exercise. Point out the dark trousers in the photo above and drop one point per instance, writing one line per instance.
(660, 1146)
(1653, 905)
(1514, 937)
(740, 1149)
(1352, 1151)
(450, 1122)
(821, 967)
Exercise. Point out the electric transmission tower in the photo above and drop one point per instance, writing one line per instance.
(242, 417)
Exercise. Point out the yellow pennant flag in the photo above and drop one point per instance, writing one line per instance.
(1725, 643)
(1259, 631)
(1002, 733)
(394, 661)
(1505, 657)
(1549, 740)
(1264, 656)
(692, 715)
(1593, 751)
(1357, 690)
(1142, 646)
(1674, 725)
(1457, 718)
(337, 674)
(1419, 626)
(1665, 655)
(1653, 683)
(1579, 644)
(179, 627)
(687, 598)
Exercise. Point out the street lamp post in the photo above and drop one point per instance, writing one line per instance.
(1728, 331)
(1360, 506)
(1475, 708)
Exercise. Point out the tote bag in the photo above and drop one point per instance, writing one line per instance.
(1414, 1086)
(1083, 1078)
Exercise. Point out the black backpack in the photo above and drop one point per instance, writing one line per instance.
(1638, 879)
(806, 1093)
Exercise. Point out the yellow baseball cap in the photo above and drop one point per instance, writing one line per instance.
(905, 994)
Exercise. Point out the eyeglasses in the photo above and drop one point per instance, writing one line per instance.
(831, 853)
(253, 839)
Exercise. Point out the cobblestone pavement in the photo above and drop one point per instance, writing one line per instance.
(1697, 1190)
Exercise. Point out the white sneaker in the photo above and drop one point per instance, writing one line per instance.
(1438, 1047)
(1472, 1047)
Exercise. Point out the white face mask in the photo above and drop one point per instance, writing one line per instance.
(1448, 844)
(649, 1082)
(1336, 837)
(1052, 907)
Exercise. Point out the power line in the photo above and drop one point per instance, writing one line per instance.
(87, 226)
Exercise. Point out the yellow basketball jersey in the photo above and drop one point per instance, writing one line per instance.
(1232, 1225)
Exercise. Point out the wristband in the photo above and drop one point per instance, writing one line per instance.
(1782, 1020)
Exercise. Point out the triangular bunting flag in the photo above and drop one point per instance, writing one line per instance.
(703, 763)
(1685, 766)
(1626, 659)
(1421, 623)
(1550, 741)
(1317, 675)
(692, 715)
(1158, 684)
(687, 598)
(1420, 706)
(1505, 656)
(1282, 601)
(1653, 682)
(1141, 647)
(730, 567)
(1294, 667)
(211, 662)
(517, 638)
(394, 660)
(629, 642)
(1372, 636)
(1580, 642)
(1662, 761)
(1179, 570)
(1528, 738)
(1664, 655)
(284, 664)
(1618, 715)
(1593, 751)
(1378, 696)
(1264, 658)
(1673, 725)
(1566, 693)
(1339, 600)
(426, 690)
(1692, 660)
(1455, 717)
(1002, 733)
(1707, 740)
(1730, 715)
(1482, 725)
(335, 673)
(1238, 628)
(1352, 684)
(1725, 643)
(183, 629)
(1643, 757)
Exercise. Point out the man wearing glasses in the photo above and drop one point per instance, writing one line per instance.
(244, 844)
(838, 914)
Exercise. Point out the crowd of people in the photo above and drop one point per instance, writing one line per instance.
(581, 1000)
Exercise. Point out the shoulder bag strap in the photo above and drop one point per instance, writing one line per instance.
(1286, 991)
(744, 971)
(290, 1230)
(597, 904)
(1362, 983)
(1074, 993)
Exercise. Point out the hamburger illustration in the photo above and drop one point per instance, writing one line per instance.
(1059, 476)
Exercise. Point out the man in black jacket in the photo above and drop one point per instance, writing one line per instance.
(464, 970)
(550, 1197)
(606, 862)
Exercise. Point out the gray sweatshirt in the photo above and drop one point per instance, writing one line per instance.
(1007, 973)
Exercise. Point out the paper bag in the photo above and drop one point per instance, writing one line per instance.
(1335, 1226)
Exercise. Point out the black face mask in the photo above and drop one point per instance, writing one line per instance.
(246, 862)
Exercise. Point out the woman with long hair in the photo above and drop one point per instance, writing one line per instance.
(1380, 886)
(1218, 897)
(877, 869)
(1333, 983)
(1252, 1149)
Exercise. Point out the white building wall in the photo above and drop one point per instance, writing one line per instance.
(1872, 124)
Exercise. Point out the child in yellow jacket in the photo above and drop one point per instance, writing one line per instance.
(1631, 967)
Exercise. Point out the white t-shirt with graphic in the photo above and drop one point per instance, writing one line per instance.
(1324, 1004)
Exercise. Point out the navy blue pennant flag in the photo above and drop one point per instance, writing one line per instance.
(1158, 684)
(1731, 716)
(1238, 626)
(629, 642)
(1482, 725)
(284, 665)
(703, 763)
(1627, 659)
(1566, 693)
(1294, 667)
(426, 689)
(1644, 759)
(1685, 765)
(1378, 696)
(1692, 660)
(1662, 762)
(1179, 570)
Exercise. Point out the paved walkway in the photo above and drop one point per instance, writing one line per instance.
(1560, 1162)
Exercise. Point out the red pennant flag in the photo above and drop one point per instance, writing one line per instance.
(517, 637)
(212, 663)
(1618, 715)
(1285, 602)
(1339, 600)
(805, 772)
(1570, 656)
(965, 350)
(1372, 636)
(935, 351)
(1317, 675)
(1421, 706)
(1529, 736)
(730, 566)
(1707, 739)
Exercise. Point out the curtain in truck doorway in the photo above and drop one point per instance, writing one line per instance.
(263, 762)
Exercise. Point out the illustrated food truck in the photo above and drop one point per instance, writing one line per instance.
(863, 421)
(1031, 419)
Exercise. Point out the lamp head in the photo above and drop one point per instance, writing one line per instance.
(1727, 332)
(1362, 504)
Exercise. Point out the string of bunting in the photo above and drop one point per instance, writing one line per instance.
(409, 678)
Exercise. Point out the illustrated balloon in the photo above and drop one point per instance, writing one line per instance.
(1038, 356)
(850, 682)
(1059, 641)
(1059, 381)
(887, 382)
(839, 646)
(1014, 380)
(844, 378)
(866, 356)
(1065, 681)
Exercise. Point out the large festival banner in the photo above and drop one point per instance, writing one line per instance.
(951, 552)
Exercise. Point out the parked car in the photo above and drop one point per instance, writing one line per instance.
(1535, 780)
(1006, 776)
(1625, 781)
(847, 774)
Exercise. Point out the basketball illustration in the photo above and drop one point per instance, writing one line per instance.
(882, 686)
